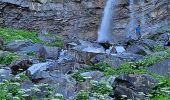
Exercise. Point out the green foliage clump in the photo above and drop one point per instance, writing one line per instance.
(18, 34)
(161, 91)
(10, 34)
(82, 95)
(7, 58)
(78, 77)
(11, 89)
(102, 88)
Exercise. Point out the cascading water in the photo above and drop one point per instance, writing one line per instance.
(104, 33)
(142, 2)
(131, 25)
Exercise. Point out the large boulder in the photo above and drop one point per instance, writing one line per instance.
(63, 84)
(133, 86)
(138, 49)
(34, 47)
(161, 67)
(16, 45)
(115, 60)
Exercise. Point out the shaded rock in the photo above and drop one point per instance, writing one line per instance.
(21, 64)
(52, 52)
(42, 54)
(138, 49)
(16, 45)
(161, 67)
(132, 85)
(163, 37)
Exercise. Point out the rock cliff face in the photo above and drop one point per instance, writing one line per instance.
(79, 19)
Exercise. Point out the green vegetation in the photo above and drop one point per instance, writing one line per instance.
(82, 95)
(13, 34)
(161, 91)
(11, 89)
(10, 34)
(78, 77)
(102, 88)
(7, 58)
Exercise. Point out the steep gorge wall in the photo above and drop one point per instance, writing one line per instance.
(78, 19)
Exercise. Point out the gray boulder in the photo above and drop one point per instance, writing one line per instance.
(16, 45)
(115, 60)
(63, 84)
(138, 49)
(133, 86)
(161, 67)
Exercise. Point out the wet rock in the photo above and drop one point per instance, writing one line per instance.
(161, 67)
(21, 64)
(138, 49)
(16, 45)
(131, 86)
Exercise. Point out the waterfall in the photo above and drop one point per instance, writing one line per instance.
(142, 2)
(131, 8)
(104, 33)
(153, 2)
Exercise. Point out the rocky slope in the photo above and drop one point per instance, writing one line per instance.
(40, 66)
(80, 19)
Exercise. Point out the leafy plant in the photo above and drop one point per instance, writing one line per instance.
(78, 77)
(7, 58)
(102, 88)
(82, 95)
